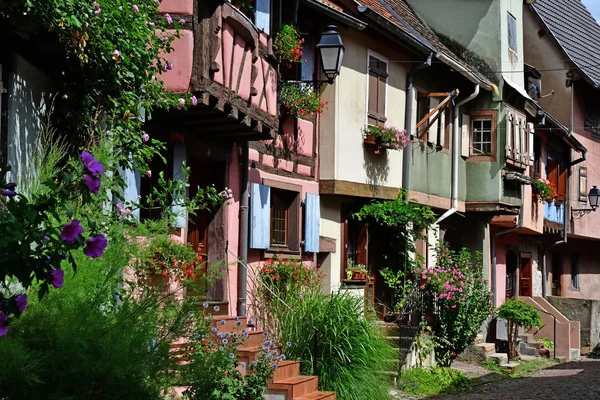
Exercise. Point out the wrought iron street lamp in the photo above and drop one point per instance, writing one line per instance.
(331, 50)
(594, 199)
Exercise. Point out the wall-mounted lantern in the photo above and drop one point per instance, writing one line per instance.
(331, 50)
(594, 199)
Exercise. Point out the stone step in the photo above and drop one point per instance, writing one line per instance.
(510, 367)
(486, 348)
(574, 354)
(296, 386)
(500, 358)
(537, 345)
(529, 358)
(317, 396)
(229, 324)
(526, 337)
(286, 369)
(526, 349)
(478, 339)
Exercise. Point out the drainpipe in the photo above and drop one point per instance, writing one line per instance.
(455, 151)
(494, 237)
(243, 236)
(410, 91)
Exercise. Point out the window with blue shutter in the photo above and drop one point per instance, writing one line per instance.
(262, 15)
(179, 157)
(260, 216)
(312, 223)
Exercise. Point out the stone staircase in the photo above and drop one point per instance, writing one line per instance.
(286, 383)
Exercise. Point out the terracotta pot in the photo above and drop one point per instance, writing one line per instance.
(358, 276)
(371, 139)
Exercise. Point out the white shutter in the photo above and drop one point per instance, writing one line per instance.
(524, 154)
(531, 130)
(179, 154)
(516, 138)
(509, 125)
(442, 127)
(131, 191)
(465, 139)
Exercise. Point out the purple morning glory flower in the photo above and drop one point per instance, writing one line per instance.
(8, 192)
(145, 137)
(57, 278)
(194, 101)
(92, 165)
(21, 300)
(3, 324)
(92, 183)
(71, 232)
(94, 247)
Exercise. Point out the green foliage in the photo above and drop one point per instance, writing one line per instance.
(212, 371)
(547, 342)
(110, 56)
(517, 314)
(424, 382)
(543, 190)
(287, 44)
(463, 298)
(350, 351)
(388, 137)
(403, 223)
(92, 339)
(302, 100)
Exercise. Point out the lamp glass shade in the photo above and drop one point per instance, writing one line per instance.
(594, 197)
(331, 49)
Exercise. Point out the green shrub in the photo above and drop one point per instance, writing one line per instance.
(351, 353)
(517, 314)
(91, 340)
(431, 381)
(547, 342)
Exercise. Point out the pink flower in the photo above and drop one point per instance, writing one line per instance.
(422, 287)
(149, 174)
(169, 19)
(453, 305)
(194, 101)
(136, 9)
(96, 5)
(170, 66)
(180, 103)
(182, 21)
(145, 137)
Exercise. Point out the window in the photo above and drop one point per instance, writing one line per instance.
(149, 183)
(583, 188)
(512, 32)
(355, 245)
(556, 173)
(281, 202)
(481, 136)
(574, 272)
(519, 139)
(377, 91)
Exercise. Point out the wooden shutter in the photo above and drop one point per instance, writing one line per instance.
(465, 139)
(377, 91)
(530, 135)
(179, 156)
(362, 243)
(524, 148)
(561, 187)
(516, 138)
(262, 15)
(509, 128)
(131, 192)
(312, 223)
(260, 216)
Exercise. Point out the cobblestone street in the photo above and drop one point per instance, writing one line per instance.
(573, 381)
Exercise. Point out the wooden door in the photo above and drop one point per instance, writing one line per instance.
(525, 284)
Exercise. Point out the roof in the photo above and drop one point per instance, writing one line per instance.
(399, 13)
(576, 31)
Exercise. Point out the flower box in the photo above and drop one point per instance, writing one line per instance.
(371, 140)
(385, 137)
(358, 276)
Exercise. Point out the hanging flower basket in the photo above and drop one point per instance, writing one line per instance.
(302, 100)
(543, 190)
(287, 45)
(385, 137)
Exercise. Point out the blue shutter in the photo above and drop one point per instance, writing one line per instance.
(260, 216)
(179, 153)
(262, 15)
(312, 223)
(132, 190)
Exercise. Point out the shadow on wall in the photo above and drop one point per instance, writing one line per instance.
(29, 95)
(377, 167)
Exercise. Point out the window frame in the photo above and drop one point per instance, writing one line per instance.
(583, 191)
(478, 116)
(380, 119)
(575, 273)
(293, 217)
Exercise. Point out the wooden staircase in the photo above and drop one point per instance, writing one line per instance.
(286, 383)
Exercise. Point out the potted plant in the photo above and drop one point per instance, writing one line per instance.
(543, 190)
(301, 100)
(287, 45)
(385, 137)
(356, 272)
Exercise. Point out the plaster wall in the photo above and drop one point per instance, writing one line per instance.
(343, 154)
(331, 219)
(28, 96)
(589, 269)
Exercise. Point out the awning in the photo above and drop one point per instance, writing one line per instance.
(517, 87)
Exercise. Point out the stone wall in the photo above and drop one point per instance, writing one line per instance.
(587, 312)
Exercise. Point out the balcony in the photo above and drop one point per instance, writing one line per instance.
(230, 68)
(554, 214)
